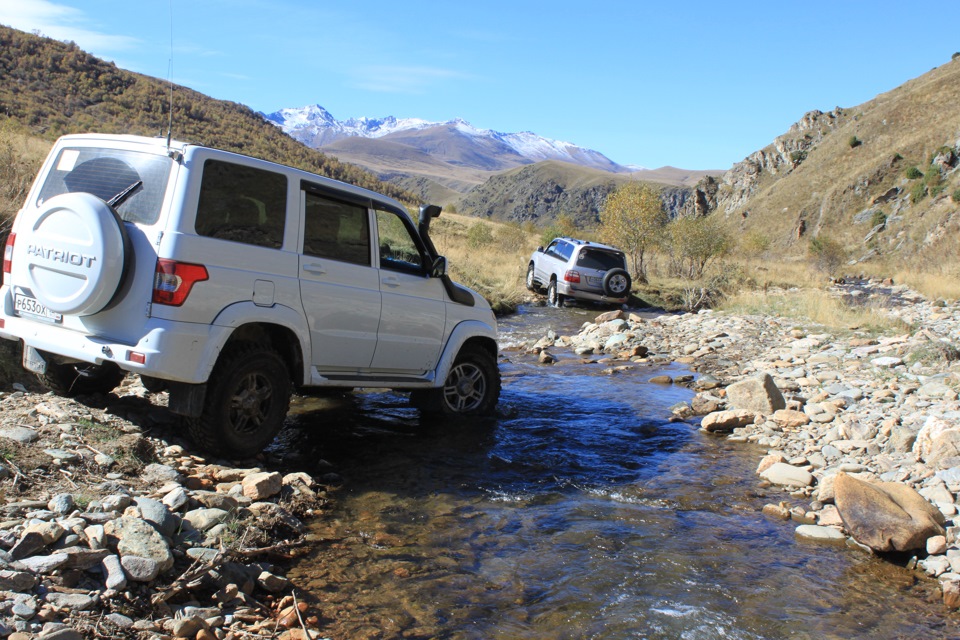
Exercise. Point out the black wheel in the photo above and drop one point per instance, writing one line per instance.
(472, 387)
(153, 385)
(247, 400)
(616, 283)
(81, 378)
(531, 281)
(554, 299)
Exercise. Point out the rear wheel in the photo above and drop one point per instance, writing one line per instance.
(472, 387)
(247, 401)
(81, 378)
(554, 298)
(531, 280)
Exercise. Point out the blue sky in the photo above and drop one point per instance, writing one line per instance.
(697, 85)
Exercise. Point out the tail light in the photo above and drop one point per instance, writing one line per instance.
(173, 281)
(8, 253)
(571, 276)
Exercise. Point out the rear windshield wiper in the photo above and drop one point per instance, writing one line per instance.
(118, 199)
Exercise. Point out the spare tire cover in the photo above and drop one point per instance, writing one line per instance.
(72, 249)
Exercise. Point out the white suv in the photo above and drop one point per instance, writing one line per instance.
(578, 269)
(231, 281)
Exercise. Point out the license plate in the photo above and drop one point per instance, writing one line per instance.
(593, 281)
(25, 305)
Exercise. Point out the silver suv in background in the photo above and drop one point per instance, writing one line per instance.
(231, 282)
(578, 269)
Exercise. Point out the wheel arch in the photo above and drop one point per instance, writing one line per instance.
(471, 333)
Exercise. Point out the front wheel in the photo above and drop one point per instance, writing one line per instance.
(81, 378)
(246, 404)
(472, 387)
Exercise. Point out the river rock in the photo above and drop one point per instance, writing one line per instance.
(759, 394)
(140, 569)
(260, 486)
(790, 419)
(203, 519)
(727, 421)
(787, 475)
(116, 579)
(157, 514)
(886, 516)
(138, 538)
(815, 532)
(938, 443)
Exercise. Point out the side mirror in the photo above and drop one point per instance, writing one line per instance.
(439, 267)
(539, 249)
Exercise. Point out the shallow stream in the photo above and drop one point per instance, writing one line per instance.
(581, 512)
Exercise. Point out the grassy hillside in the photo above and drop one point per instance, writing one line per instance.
(49, 88)
(877, 180)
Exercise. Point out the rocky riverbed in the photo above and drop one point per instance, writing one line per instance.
(862, 431)
(111, 527)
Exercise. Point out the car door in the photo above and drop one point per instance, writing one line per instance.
(339, 287)
(413, 313)
(551, 262)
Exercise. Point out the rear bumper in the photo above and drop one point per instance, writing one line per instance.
(169, 350)
(565, 289)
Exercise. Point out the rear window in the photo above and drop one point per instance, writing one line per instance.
(600, 260)
(106, 173)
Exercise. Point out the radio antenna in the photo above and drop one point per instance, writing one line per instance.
(170, 81)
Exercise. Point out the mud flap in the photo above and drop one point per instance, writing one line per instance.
(33, 360)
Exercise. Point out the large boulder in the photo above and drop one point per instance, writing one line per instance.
(886, 516)
(759, 394)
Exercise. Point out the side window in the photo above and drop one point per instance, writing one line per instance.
(566, 250)
(398, 250)
(336, 230)
(242, 204)
(553, 249)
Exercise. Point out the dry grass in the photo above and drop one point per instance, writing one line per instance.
(816, 307)
(20, 158)
(493, 264)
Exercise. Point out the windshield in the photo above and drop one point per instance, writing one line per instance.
(136, 181)
(600, 260)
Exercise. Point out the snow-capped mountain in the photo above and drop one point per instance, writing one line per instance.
(316, 127)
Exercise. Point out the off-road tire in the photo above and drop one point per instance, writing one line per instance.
(153, 385)
(531, 281)
(248, 396)
(617, 283)
(472, 387)
(554, 299)
(81, 378)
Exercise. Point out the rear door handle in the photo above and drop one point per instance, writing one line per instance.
(315, 268)
(391, 281)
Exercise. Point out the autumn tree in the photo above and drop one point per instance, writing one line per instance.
(633, 219)
(693, 242)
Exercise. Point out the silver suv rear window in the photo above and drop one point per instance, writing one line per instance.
(106, 173)
(599, 260)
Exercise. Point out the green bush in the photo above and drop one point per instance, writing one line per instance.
(479, 235)
(854, 141)
(913, 173)
(511, 238)
(827, 254)
(918, 192)
(878, 218)
(691, 243)
(956, 195)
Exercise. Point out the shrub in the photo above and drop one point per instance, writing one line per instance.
(797, 157)
(692, 243)
(854, 141)
(828, 254)
(918, 192)
(511, 238)
(956, 195)
(913, 173)
(633, 218)
(755, 243)
(479, 235)
(878, 218)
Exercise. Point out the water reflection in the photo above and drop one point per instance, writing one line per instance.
(581, 513)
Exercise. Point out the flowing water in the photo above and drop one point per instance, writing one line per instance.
(581, 512)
